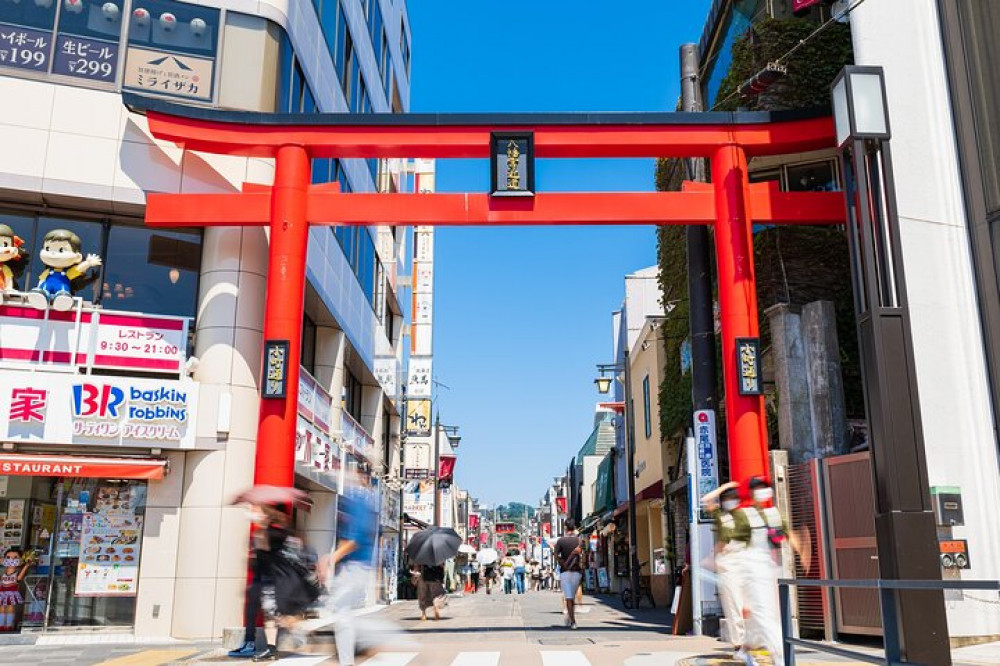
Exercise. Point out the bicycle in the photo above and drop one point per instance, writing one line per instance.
(645, 592)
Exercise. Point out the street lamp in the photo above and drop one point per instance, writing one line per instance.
(633, 538)
(905, 529)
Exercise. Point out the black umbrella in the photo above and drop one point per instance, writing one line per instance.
(433, 545)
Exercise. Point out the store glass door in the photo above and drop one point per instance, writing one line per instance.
(84, 535)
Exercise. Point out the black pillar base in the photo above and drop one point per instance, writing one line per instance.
(907, 548)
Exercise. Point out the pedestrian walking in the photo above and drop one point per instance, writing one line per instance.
(760, 571)
(430, 590)
(732, 534)
(568, 553)
(490, 572)
(520, 571)
(507, 573)
(475, 568)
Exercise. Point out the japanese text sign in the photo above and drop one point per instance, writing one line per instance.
(83, 58)
(24, 48)
(748, 365)
(173, 74)
(275, 369)
(706, 470)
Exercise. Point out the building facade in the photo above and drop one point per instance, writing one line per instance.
(131, 417)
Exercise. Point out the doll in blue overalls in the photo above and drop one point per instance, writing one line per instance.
(63, 263)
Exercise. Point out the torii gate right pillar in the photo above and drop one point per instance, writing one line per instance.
(746, 425)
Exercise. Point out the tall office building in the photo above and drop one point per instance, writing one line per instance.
(128, 421)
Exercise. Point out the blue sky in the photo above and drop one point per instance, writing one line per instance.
(522, 315)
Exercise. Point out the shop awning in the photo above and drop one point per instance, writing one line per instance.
(90, 467)
(604, 491)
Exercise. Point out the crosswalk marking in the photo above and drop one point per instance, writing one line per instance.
(303, 660)
(391, 659)
(564, 658)
(477, 659)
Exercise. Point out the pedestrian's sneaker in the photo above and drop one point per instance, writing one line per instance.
(245, 651)
(744, 657)
(267, 654)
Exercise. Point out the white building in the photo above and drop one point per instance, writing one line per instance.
(142, 536)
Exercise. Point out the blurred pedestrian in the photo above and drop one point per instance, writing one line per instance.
(490, 572)
(430, 590)
(568, 553)
(474, 573)
(732, 537)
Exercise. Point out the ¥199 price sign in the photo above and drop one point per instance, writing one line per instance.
(24, 48)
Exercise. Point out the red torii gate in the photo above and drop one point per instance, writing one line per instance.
(730, 203)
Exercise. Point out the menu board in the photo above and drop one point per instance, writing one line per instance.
(109, 553)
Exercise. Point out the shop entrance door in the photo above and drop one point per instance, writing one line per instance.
(85, 535)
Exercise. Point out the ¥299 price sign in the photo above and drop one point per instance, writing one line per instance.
(83, 58)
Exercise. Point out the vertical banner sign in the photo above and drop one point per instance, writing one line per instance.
(748, 365)
(418, 417)
(275, 369)
(707, 469)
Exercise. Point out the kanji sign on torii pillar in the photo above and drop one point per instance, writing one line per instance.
(730, 203)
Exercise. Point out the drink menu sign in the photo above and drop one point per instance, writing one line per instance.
(109, 554)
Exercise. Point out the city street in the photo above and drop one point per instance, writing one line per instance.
(475, 630)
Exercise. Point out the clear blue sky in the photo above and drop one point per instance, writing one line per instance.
(522, 315)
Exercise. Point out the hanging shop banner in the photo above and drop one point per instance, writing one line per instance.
(56, 408)
(109, 557)
(418, 418)
(417, 458)
(561, 505)
(473, 521)
(386, 372)
(505, 528)
(102, 339)
(418, 500)
(171, 74)
(275, 369)
(707, 458)
(446, 466)
(418, 383)
(748, 364)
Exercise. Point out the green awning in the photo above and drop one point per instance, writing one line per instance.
(604, 495)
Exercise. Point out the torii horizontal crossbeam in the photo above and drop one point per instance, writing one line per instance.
(325, 207)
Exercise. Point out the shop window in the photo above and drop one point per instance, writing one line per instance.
(308, 354)
(812, 177)
(88, 533)
(172, 49)
(979, 24)
(144, 270)
(152, 271)
(347, 75)
(352, 395)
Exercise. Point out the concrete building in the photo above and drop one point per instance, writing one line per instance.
(155, 447)
(942, 93)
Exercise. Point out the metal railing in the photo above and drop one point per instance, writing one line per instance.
(892, 647)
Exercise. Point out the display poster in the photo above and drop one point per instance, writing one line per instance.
(603, 581)
(70, 533)
(94, 59)
(109, 557)
(707, 477)
(24, 48)
(13, 525)
(174, 74)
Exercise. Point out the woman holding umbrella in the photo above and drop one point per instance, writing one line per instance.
(429, 549)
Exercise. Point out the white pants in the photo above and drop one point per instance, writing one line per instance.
(760, 587)
(729, 569)
(347, 594)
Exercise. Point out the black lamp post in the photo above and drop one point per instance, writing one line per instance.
(603, 386)
(905, 526)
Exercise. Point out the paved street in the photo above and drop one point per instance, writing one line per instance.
(476, 630)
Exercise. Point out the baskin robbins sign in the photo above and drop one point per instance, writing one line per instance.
(73, 409)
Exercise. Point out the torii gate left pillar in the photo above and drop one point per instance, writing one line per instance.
(730, 203)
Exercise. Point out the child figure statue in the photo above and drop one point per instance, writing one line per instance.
(10, 251)
(15, 568)
(64, 263)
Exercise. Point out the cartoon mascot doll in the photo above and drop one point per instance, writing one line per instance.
(63, 264)
(10, 251)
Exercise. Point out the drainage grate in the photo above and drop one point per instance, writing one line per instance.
(565, 641)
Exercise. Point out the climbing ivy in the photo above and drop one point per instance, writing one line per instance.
(811, 69)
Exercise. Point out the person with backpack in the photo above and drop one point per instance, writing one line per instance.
(568, 553)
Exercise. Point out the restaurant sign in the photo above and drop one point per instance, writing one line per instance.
(172, 74)
(275, 369)
(54, 408)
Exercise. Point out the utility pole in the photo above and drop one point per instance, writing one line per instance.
(437, 468)
(699, 259)
(633, 532)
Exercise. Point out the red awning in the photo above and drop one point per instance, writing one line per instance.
(82, 467)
